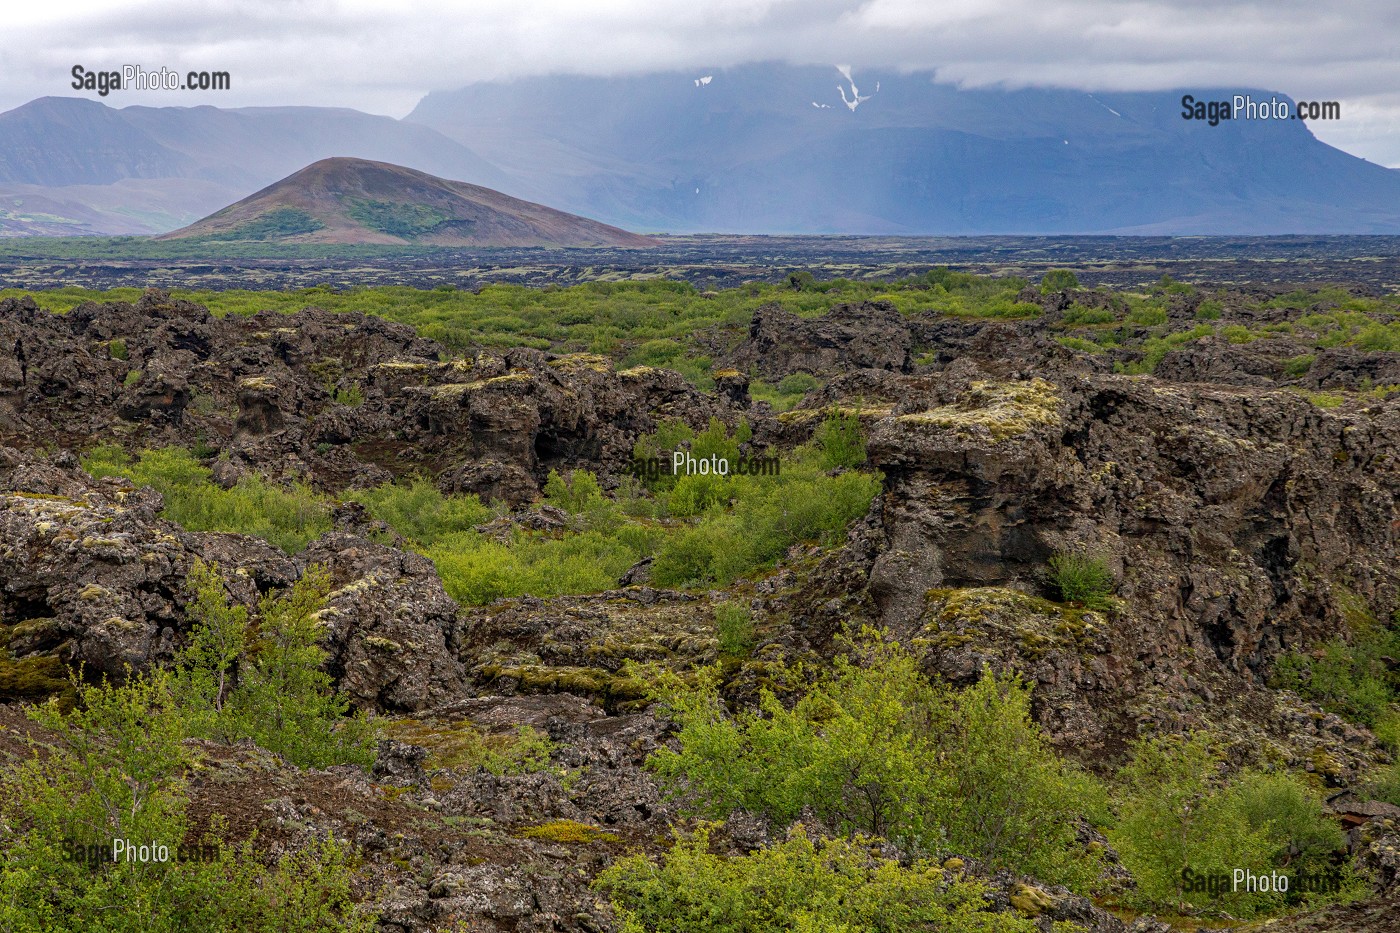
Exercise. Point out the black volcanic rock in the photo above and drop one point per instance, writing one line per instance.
(872, 335)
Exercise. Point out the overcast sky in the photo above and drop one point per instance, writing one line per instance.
(383, 57)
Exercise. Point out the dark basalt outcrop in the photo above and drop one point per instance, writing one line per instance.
(872, 335)
(90, 575)
(1239, 518)
(336, 399)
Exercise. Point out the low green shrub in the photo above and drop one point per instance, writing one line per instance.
(1080, 344)
(1078, 315)
(267, 684)
(1352, 678)
(1384, 784)
(841, 442)
(734, 626)
(873, 747)
(288, 518)
(1299, 365)
(419, 511)
(1057, 279)
(1180, 820)
(116, 771)
(799, 886)
(1082, 578)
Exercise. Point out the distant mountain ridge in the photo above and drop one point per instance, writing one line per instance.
(152, 169)
(775, 148)
(350, 201)
(762, 148)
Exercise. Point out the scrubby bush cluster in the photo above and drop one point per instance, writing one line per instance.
(1355, 678)
(117, 771)
(266, 684)
(1179, 813)
(289, 518)
(873, 747)
(796, 885)
(1083, 579)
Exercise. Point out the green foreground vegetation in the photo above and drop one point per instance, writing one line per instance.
(874, 749)
(118, 772)
(657, 322)
(700, 530)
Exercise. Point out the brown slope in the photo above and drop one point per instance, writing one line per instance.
(344, 200)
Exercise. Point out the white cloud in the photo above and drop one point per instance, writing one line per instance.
(383, 57)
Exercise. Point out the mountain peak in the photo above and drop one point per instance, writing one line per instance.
(348, 200)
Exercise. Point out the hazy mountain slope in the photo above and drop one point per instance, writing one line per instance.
(129, 206)
(358, 201)
(770, 148)
(194, 159)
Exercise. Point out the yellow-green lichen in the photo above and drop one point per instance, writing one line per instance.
(592, 361)
(1000, 617)
(995, 411)
(570, 831)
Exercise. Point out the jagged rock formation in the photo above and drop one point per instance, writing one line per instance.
(1239, 519)
(263, 390)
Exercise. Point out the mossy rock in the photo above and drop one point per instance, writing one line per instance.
(1030, 900)
(993, 616)
(568, 831)
(577, 361)
(995, 411)
(584, 681)
(35, 678)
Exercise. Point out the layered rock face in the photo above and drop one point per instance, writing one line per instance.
(1238, 518)
(90, 575)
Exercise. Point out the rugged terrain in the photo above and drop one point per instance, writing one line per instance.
(1243, 514)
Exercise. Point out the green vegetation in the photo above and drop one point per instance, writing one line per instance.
(786, 394)
(275, 224)
(266, 684)
(840, 441)
(1384, 784)
(1083, 579)
(874, 748)
(1354, 678)
(116, 771)
(117, 349)
(734, 625)
(1058, 279)
(1157, 347)
(796, 885)
(703, 530)
(399, 219)
(460, 746)
(288, 518)
(1299, 365)
(1177, 814)
(700, 530)
(1079, 315)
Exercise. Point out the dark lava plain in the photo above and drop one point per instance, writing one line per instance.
(1368, 262)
